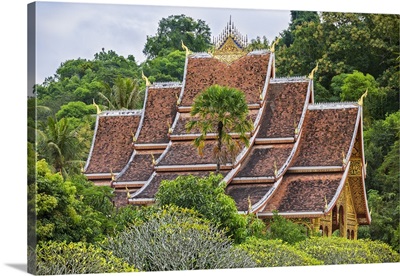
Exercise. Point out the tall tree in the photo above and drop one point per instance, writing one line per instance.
(221, 110)
(174, 29)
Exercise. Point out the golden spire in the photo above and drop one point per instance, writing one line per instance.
(97, 107)
(185, 48)
(146, 79)
(272, 49)
(361, 100)
(311, 76)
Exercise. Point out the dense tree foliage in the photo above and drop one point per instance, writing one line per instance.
(174, 30)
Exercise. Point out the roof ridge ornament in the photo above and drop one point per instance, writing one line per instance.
(311, 76)
(146, 79)
(185, 48)
(97, 107)
(361, 100)
(272, 48)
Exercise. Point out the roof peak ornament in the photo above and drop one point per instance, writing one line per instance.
(229, 45)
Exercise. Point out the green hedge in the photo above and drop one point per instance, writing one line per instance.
(336, 250)
(274, 253)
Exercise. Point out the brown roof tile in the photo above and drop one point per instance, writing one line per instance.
(185, 153)
(241, 192)
(327, 134)
(260, 162)
(246, 74)
(113, 143)
(304, 192)
(160, 110)
(284, 106)
(140, 169)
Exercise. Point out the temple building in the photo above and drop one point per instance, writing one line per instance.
(305, 159)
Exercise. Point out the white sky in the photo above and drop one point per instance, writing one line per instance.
(13, 76)
(72, 30)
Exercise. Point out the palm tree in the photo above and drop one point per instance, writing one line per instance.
(59, 144)
(124, 94)
(221, 110)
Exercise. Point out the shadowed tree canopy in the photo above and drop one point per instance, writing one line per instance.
(174, 29)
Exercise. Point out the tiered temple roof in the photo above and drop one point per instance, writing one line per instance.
(301, 156)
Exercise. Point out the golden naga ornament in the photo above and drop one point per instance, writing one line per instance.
(311, 76)
(146, 79)
(97, 107)
(361, 100)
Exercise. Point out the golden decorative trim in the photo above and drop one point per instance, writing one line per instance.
(146, 79)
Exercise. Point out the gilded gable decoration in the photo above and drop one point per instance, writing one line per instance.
(230, 45)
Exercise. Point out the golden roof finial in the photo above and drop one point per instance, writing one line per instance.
(249, 206)
(128, 194)
(272, 49)
(134, 139)
(275, 169)
(169, 128)
(146, 79)
(82, 169)
(344, 159)
(97, 107)
(153, 160)
(112, 175)
(326, 205)
(178, 100)
(361, 100)
(185, 48)
(311, 76)
(261, 94)
(296, 128)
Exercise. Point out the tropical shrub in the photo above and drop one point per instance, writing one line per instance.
(273, 253)
(76, 258)
(336, 250)
(177, 239)
(286, 230)
(207, 196)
